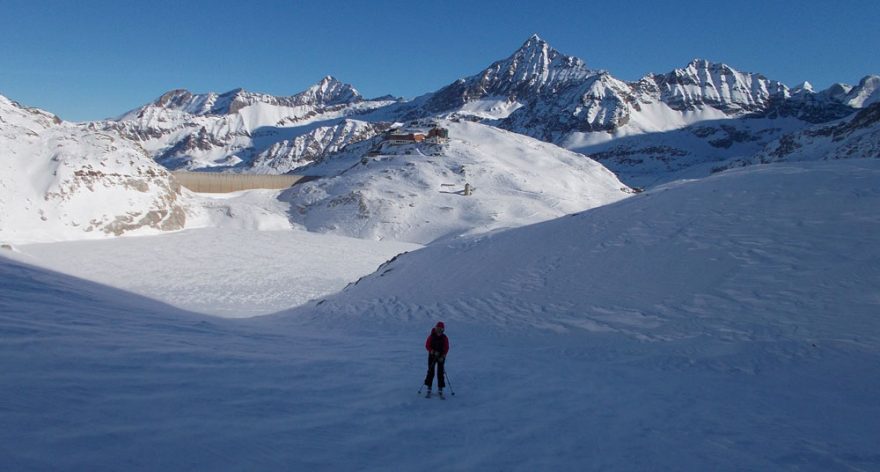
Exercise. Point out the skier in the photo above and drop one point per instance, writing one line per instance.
(437, 346)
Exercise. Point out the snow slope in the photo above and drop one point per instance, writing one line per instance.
(415, 193)
(855, 137)
(61, 181)
(772, 246)
(723, 324)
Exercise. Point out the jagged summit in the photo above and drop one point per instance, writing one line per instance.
(533, 69)
(866, 93)
(535, 46)
(327, 92)
(803, 87)
(704, 83)
(536, 91)
(330, 91)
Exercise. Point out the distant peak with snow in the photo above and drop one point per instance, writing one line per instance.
(866, 93)
(533, 69)
(330, 91)
(803, 87)
(704, 83)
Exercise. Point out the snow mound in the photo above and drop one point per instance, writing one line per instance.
(61, 181)
(417, 193)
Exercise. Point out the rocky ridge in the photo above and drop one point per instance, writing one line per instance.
(62, 180)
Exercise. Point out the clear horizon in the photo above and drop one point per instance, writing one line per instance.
(98, 59)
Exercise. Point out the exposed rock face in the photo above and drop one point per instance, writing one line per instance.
(558, 96)
(702, 113)
(535, 69)
(182, 130)
(652, 129)
(66, 181)
(285, 156)
(702, 83)
(327, 92)
(854, 137)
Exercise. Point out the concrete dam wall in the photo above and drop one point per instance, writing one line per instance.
(208, 182)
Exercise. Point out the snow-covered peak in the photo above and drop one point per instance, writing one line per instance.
(866, 93)
(804, 86)
(534, 67)
(14, 113)
(532, 70)
(535, 52)
(330, 91)
(836, 92)
(481, 179)
(704, 83)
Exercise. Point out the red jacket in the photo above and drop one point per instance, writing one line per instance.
(437, 342)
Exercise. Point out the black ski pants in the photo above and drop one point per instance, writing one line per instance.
(441, 371)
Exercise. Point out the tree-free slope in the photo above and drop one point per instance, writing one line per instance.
(725, 324)
(416, 193)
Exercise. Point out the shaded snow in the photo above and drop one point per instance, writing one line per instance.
(724, 324)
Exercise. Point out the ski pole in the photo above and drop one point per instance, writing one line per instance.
(451, 390)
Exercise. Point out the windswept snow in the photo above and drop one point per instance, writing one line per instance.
(773, 246)
(722, 324)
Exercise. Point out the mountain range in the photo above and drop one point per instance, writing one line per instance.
(646, 131)
(688, 123)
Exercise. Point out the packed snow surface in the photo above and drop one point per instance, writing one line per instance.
(723, 324)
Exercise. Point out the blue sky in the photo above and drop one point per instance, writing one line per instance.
(96, 59)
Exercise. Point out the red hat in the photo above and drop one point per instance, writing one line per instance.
(441, 325)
